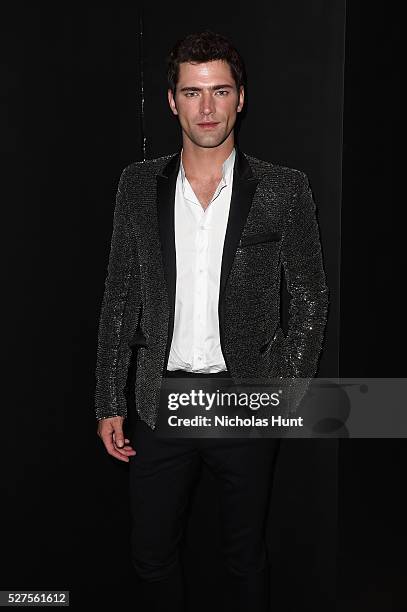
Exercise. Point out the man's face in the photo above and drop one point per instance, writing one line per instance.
(206, 102)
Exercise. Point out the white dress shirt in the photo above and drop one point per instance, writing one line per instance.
(199, 238)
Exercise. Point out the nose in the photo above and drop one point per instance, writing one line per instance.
(207, 105)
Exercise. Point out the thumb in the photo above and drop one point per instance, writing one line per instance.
(119, 438)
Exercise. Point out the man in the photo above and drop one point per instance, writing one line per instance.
(198, 242)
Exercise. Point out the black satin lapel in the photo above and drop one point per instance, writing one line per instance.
(166, 183)
(243, 189)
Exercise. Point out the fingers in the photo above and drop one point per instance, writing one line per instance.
(119, 453)
(122, 445)
(111, 433)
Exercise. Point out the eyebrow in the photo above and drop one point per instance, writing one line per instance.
(213, 88)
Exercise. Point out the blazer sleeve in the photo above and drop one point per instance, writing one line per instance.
(304, 271)
(113, 351)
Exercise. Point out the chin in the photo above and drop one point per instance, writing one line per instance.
(209, 141)
(210, 145)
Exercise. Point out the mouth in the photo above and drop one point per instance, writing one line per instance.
(208, 125)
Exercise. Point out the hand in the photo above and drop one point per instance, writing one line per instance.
(110, 430)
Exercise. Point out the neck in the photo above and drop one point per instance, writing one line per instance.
(205, 162)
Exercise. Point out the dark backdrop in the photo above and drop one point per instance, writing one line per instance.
(72, 82)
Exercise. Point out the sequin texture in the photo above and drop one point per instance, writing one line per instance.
(280, 232)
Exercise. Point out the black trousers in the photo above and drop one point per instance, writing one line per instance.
(160, 478)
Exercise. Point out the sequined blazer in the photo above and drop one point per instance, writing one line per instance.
(272, 225)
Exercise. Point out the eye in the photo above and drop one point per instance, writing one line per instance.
(222, 91)
(189, 94)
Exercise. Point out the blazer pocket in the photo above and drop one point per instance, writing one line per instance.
(257, 238)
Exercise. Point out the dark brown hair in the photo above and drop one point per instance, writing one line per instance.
(204, 47)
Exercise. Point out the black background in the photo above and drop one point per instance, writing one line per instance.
(323, 96)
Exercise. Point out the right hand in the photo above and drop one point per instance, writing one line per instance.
(110, 430)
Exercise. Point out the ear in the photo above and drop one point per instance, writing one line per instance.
(241, 99)
(171, 102)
